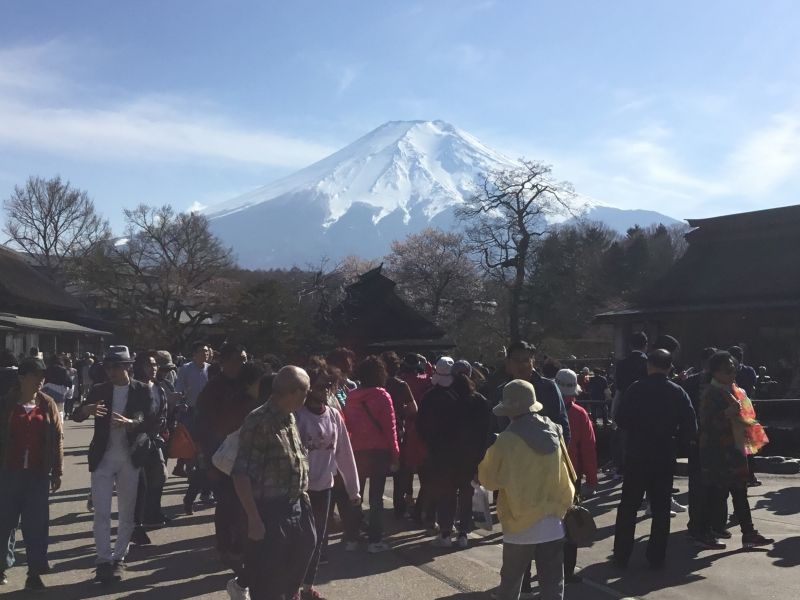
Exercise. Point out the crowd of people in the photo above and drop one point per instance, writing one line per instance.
(285, 452)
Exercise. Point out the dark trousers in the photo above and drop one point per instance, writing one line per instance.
(570, 558)
(658, 485)
(152, 478)
(698, 494)
(716, 508)
(198, 482)
(276, 565)
(619, 448)
(24, 502)
(455, 495)
(403, 488)
(320, 506)
(230, 521)
(377, 484)
(425, 508)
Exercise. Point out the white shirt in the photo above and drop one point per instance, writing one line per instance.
(545, 530)
(118, 438)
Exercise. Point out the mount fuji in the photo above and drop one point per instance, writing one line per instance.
(398, 179)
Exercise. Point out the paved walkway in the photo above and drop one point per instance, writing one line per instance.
(182, 562)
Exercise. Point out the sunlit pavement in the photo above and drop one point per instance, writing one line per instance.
(182, 562)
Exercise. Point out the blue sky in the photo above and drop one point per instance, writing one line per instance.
(688, 108)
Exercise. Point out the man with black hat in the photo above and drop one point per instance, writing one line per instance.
(654, 412)
(124, 421)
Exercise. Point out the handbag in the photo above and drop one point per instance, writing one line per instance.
(225, 456)
(579, 523)
(181, 444)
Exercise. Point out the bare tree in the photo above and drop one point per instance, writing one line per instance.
(53, 222)
(511, 211)
(164, 276)
(432, 266)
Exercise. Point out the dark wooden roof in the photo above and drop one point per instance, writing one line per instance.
(756, 223)
(372, 312)
(24, 290)
(743, 261)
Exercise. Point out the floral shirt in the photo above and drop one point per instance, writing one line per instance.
(271, 454)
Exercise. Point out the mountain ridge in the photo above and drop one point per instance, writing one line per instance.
(397, 179)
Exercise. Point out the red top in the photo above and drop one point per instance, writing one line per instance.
(27, 438)
(582, 447)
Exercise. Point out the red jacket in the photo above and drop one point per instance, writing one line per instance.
(582, 448)
(414, 450)
(369, 416)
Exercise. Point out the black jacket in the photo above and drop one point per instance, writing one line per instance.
(629, 370)
(548, 394)
(139, 408)
(656, 414)
(455, 429)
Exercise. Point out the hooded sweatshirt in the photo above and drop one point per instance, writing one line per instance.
(369, 416)
(526, 465)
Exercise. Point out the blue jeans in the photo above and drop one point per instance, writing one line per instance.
(24, 498)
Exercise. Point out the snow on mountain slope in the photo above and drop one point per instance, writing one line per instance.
(396, 180)
(400, 165)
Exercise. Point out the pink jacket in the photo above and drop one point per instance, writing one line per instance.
(370, 420)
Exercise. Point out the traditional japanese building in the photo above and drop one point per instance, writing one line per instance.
(738, 282)
(34, 311)
(373, 317)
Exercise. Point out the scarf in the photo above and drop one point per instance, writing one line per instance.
(748, 433)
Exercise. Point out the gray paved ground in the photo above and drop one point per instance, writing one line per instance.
(182, 563)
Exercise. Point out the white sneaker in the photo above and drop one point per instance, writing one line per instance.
(350, 546)
(378, 547)
(442, 542)
(677, 507)
(237, 592)
(463, 541)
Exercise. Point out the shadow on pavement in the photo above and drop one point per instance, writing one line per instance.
(786, 551)
(168, 574)
(785, 501)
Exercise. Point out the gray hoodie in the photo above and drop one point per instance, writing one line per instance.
(540, 433)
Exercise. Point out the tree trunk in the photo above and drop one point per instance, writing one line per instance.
(513, 313)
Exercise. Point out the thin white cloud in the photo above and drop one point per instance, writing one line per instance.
(654, 163)
(346, 78)
(769, 157)
(33, 68)
(142, 128)
(159, 133)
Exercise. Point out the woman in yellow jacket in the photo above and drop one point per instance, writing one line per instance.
(527, 467)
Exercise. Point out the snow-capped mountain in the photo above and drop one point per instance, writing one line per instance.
(398, 179)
